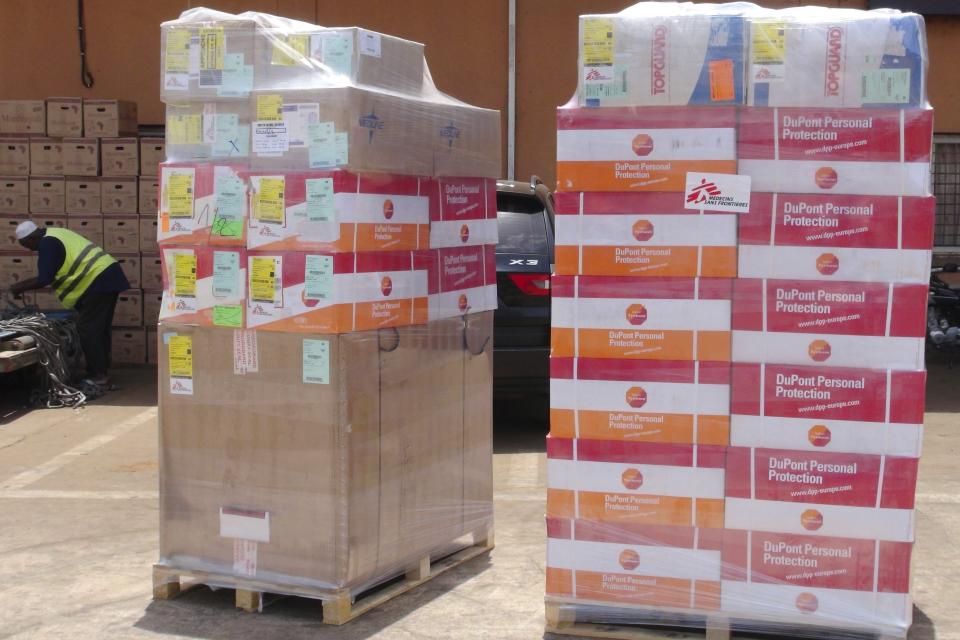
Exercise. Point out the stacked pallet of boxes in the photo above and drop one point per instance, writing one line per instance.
(326, 226)
(773, 420)
(74, 163)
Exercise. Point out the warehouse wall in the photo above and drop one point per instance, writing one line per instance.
(466, 50)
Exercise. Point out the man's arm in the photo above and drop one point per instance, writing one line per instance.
(27, 285)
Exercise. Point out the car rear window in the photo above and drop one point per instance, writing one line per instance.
(521, 225)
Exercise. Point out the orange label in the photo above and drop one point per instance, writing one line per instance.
(721, 80)
(387, 236)
(559, 582)
(633, 426)
(650, 509)
(384, 313)
(717, 262)
(640, 175)
(634, 589)
(165, 222)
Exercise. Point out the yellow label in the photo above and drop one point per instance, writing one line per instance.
(263, 279)
(185, 129)
(268, 205)
(180, 195)
(268, 107)
(300, 44)
(177, 59)
(211, 48)
(769, 42)
(597, 41)
(180, 355)
(185, 274)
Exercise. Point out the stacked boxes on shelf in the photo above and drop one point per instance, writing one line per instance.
(79, 164)
(759, 425)
(326, 228)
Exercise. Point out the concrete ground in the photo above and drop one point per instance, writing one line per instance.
(78, 536)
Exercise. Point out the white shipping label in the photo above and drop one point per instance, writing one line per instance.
(245, 558)
(246, 524)
(270, 138)
(717, 192)
(370, 43)
(297, 118)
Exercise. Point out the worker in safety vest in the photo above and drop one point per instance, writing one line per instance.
(84, 277)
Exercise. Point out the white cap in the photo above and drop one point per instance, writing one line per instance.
(25, 228)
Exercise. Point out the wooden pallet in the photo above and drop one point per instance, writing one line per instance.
(339, 606)
(561, 620)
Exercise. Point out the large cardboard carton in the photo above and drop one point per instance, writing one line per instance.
(14, 156)
(121, 234)
(120, 156)
(152, 153)
(466, 140)
(47, 194)
(204, 286)
(90, 227)
(203, 60)
(129, 310)
(23, 117)
(129, 346)
(46, 157)
(109, 118)
(202, 203)
(304, 417)
(65, 117)
(81, 156)
(14, 194)
(204, 131)
(83, 196)
(119, 195)
(461, 280)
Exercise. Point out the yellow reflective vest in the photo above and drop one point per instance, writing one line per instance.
(84, 261)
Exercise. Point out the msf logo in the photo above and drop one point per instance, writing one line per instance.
(701, 193)
(372, 123)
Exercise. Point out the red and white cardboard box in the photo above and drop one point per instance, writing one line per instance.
(642, 148)
(818, 580)
(642, 234)
(460, 280)
(817, 408)
(852, 495)
(644, 318)
(338, 211)
(334, 293)
(204, 286)
(639, 483)
(840, 324)
(634, 565)
(837, 237)
(463, 211)
(202, 203)
(814, 150)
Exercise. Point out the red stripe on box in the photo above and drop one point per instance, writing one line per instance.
(899, 483)
(559, 528)
(653, 453)
(620, 287)
(909, 390)
(561, 368)
(894, 569)
(559, 448)
(461, 199)
(646, 118)
(673, 371)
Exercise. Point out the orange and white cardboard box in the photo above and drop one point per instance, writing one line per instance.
(463, 211)
(851, 495)
(674, 402)
(843, 324)
(202, 203)
(833, 409)
(817, 580)
(90, 227)
(204, 286)
(643, 318)
(642, 148)
(642, 234)
(334, 293)
(121, 234)
(837, 237)
(635, 482)
(151, 271)
(461, 280)
(337, 211)
(634, 565)
(855, 151)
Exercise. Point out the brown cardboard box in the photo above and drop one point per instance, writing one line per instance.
(129, 346)
(149, 188)
(82, 196)
(466, 141)
(148, 235)
(81, 156)
(152, 153)
(23, 117)
(46, 157)
(118, 195)
(151, 270)
(8, 233)
(90, 227)
(109, 118)
(47, 300)
(130, 263)
(151, 344)
(121, 234)
(129, 312)
(14, 156)
(47, 194)
(16, 267)
(186, 142)
(152, 301)
(119, 156)
(182, 80)
(383, 132)
(380, 444)
(65, 117)
(45, 221)
(15, 194)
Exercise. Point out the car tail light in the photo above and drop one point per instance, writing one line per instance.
(532, 284)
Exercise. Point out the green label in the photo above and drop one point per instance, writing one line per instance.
(885, 86)
(615, 88)
(226, 134)
(322, 148)
(228, 194)
(318, 278)
(237, 78)
(228, 315)
(341, 147)
(316, 361)
(226, 274)
(320, 199)
(338, 52)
